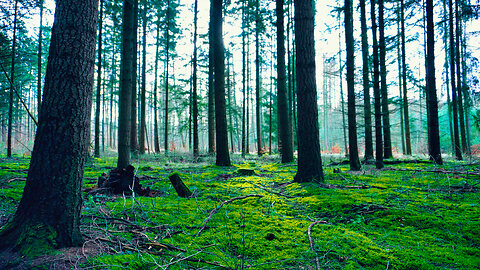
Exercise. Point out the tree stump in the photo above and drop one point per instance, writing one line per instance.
(247, 172)
(181, 189)
(121, 181)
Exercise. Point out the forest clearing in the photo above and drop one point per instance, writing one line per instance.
(405, 216)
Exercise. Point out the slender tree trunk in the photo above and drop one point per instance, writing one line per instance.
(461, 113)
(39, 60)
(99, 83)
(432, 103)
(133, 120)
(194, 90)
(156, 139)
(12, 84)
(126, 84)
(465, 92)
(211, 90)
(284, 130)
(143, 102)
(244, 83)
(366, 85)
(257, 80)
(400, 93)
(384, 92)
(223, 156)
(458, 149)
(48, 215)
(406, 115)
(309, 158)
(342, 98)
(352, 122)
(167, 58)
(376, 92)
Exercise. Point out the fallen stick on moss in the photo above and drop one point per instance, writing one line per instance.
(309, 232)
(434, 171)
(220, 206)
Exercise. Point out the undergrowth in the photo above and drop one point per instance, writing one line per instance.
(408, 216)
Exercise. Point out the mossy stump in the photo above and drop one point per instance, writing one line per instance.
(180, 187)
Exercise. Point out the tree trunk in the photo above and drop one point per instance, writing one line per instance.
(384, 92)
(366, 85)
(156, 139)
(406, 115)
(309, 158)
(432, 103)
(126, 84)
(461, 113)
(167, 56)
(352, 121)
(211, 88)
(223, 156)
(143, 102)
(12, 84)
(458, 149)
(39, 60)
(376, 92)
(257, 80)
(99, 83)
(342, 98)
(133, 120)
(48, 215)
(194, 91)
(284, 130)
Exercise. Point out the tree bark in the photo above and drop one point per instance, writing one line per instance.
(257, 80)
(134, 147)
(458, 149)
(387, 147)
(48, 215)
(156, 139)
(284, 130)
(143, 102)
(366, 85)
(406, 115)
(309, 158)
(352, 121)
(12, 84)
(211, 88)
(223, 156)
(376, 92)
(99, 83)
(39, 60)
(194, 91)
(167, 56)
(432, 103)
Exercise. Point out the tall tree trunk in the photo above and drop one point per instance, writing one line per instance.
(167, 58)
(257, 80)
(342, 98)
(400, 93)
(309, 158)
(461, 113)
(194, 90)
(406, 115)
(133, 120)
(39, 60)
(366, 85)
(284, 131)
(223, 156)
(48, 215)
(458, 149)
(156, 139)
(126, 84)
(12, 84)
(376, 92)
(211, 89)
(244, 83)
(352, 122)
(432, 103)
(99, 83)
(465, 92)
(384, 92)
(143, 102)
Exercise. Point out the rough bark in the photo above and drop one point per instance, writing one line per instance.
(352, 121)
(376, 92)
(284, 130)
(309, 159)
(387, 147)
(99, 83)
(366, 85)
(223, 156)
(134, 147)
(48, 215)
(432, 103)
(180, 187)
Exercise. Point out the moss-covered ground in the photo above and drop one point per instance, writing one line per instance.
(408, 216)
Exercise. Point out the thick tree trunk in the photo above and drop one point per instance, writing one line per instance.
(284, 130)
(126, 84)
(387, 147)
(366, 85)
(223, 156)
(376, 92)
(432, 103)
(352, 121)
(48, 215)
(309, 159)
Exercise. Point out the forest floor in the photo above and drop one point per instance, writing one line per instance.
(406, 216)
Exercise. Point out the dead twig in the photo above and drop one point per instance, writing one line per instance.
(220, 206)
(309, 232)
(434, 171)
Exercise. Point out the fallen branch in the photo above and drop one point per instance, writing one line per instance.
(309, 232)
(270, 190)
(434, 171)
(220, 206)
